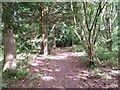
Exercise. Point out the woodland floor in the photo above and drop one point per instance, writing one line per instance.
(64, 69)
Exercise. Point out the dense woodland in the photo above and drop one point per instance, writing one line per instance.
(33, 31)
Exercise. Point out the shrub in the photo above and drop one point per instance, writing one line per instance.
(109, 58)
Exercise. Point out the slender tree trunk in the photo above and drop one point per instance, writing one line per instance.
(54, 36)
(54, 42)
(41, 27)
(45, 42)
(108, 34)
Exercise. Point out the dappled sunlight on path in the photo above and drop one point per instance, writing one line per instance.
(62, 55)
(64, 69)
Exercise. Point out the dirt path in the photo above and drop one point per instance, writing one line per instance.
(65, 70)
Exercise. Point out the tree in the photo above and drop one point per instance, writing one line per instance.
(89, 22)
(9, 39)
(109, 16)
(43, 11)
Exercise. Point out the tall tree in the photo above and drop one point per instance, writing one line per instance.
(9, 39)
(110, 16)
(92, 28)
(89, 22)
(43, 11)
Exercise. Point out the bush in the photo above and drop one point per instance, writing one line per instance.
(109, 58)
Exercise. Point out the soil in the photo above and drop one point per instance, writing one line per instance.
(65, 69)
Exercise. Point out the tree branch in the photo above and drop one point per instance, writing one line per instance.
(86, 18)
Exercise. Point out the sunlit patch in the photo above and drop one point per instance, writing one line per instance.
(83, 75)
(60, 56)
(37, 70)
(1, 58)
(47, 78)
(70, 77)
(9, 57)
(85, 72)
(34, 64)
(66, 54)
(84, 78)
(21, 56)
(40, 62)
(115, 71)
(78, 54)
(52, 57)
(57, 70)
(50, 70)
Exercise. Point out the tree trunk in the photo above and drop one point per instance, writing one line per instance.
(108, 34)
(43, 26)
(92, 32)
(54, 37)
(54, 42)
(9, 39)
(45, 42)
(9, 50)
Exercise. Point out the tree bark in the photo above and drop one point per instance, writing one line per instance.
(108, 34)
(45, 41)
(54, 37)
(9, 50)
(43, 26)
(9, 39)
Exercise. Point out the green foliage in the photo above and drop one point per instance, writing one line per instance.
(23, 61)
(36, 77)
(22, 73)
(2, 85)
(85, 58)
(65, 35)
(107, 55)
(16, 75)
(27, 43)
(9, 74)
(115, 38)
(96, 70)
(109, 58)
(78, 48)
(1, 51)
